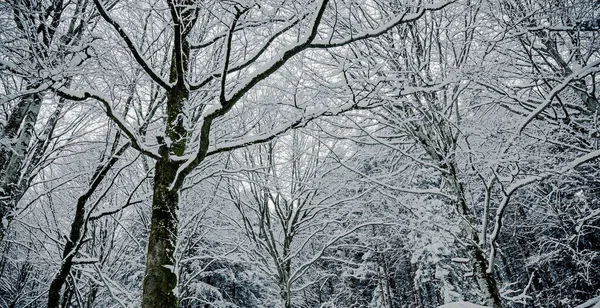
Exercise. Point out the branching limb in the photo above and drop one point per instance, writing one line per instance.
(521, 183)
(121, 123)
(134, 50)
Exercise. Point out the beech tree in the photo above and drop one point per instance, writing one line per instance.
(420, 59)
(285, 207)
(299, 153)
(236, 65)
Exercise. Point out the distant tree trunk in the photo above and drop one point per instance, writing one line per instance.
(78, 230)
(285, 295)
(68, 254)
(383, 278)
(431, 142)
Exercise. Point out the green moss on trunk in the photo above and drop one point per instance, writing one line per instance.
(160, 281)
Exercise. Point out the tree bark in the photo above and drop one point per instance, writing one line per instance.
(78, 230)
(485, 281)
(160, 280)
(18, 134)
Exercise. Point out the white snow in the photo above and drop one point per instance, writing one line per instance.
(594, 303)
(461, 305)
(460, 260)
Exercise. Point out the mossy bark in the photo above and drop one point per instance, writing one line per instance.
(160, 281)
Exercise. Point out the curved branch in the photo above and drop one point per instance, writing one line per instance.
(249, 60)
(283, 58)
(134, 50)
(404, 18)
(588, 69)
(524, 182)
(81, 96)
(200, 155)
(228, 56)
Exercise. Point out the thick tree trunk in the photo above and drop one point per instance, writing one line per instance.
(160, 281)
(15, 142)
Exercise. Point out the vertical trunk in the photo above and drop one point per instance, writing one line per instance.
(78, 230)
(160, 280)
(18, 134)
(285, 295)
(68, 254)
(9, 132)
(383, 280)
(486, 282)
(284, 280)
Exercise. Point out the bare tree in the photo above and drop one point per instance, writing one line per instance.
(236, 66)
(51, 43)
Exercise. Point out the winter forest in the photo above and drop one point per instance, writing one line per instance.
(299, 153)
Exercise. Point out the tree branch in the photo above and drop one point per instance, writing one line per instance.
(134, 50)
(81, 96)
(521, 183)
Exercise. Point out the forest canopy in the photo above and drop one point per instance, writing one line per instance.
(299, 153)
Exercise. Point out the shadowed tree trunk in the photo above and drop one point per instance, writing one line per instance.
(17, 135)
(78, 230)
(160, 281)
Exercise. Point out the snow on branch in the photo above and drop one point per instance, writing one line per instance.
(524, 182)
(584, 71)
(251, 59)
(121, 123)
(134, 50)
(404, 18)
(592, 303)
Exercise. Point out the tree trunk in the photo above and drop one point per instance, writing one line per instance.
(160, 280)
(68, 254)
(78, 230)
(285, 294)
(486, 282)
(17, 135)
